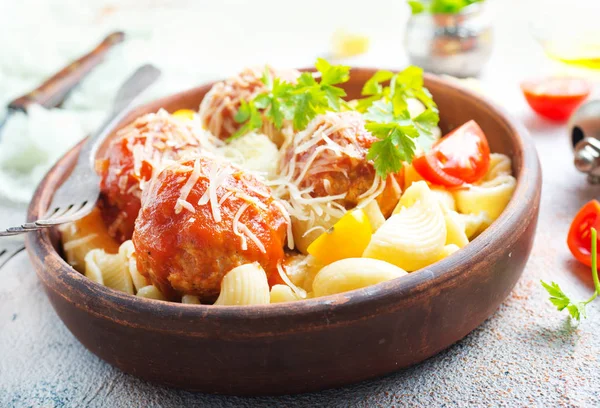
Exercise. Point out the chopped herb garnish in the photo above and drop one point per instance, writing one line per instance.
(562, 301)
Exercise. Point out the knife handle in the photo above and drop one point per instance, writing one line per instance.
(54, 90)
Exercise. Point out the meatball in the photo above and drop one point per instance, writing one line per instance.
(137, 152)
(330, 158)
(221, 103)
(201, 218)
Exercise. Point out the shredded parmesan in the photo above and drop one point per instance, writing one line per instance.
(298, 291)
(245, 230)
(236, 225)
(187, 188)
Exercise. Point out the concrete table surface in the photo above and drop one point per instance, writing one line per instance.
(526, 354)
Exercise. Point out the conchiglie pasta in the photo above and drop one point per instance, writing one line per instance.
(190, 300)
(448, 250)
(412, 238)
(255, 152)
(417, 192)
(445, 198)
(301, 270)
(455, 230)
(353, 273)
(150, 292)
(111, 270)
(81, 236)
(283, 293)
(306, 231)
(245, 285)
(490, 197)
(500, 165)
(374, 214)
(474, 224)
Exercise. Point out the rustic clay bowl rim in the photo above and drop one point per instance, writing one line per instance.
(365, 302)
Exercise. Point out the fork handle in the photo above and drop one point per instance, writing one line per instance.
(53, 91)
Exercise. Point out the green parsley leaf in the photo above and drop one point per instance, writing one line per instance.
(248, 113)
(332, 74)
(386, 111)
(559, 299)
(373, 85)
(416, 7)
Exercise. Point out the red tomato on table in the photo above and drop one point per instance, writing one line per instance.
(555, 98)
(579, 239)
(462, 156)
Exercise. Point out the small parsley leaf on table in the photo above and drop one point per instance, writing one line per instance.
(562, 301)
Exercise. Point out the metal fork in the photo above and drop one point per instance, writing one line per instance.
(77, 196)
(9, 249)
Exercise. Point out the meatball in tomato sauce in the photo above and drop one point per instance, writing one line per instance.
(329, 158)
(221, 103)
(136, 153)
(200, 219)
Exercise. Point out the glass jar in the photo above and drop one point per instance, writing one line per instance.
(454, 44)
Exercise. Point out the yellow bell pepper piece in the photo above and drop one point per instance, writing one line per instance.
(348, 238)
(184, 114)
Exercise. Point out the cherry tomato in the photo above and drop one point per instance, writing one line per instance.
(555, 98)
(462, 156)
(579, 239)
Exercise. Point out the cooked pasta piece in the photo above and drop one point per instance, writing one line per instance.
(353, 273)
(190, 299)
(490, 197)
(418, 191)
(455, 230)
(413, 237)
(150, 292)
(283, 293)
(500, 165)
(445, 198)
(474, 224)
(139, 280)
(301, 269)
(305, 231)
(448, 250)
(245, 285)
(374, 214)
(81, 236)
(254, 152)
(111, 270)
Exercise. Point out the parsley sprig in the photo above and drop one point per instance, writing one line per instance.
(562, 301)
(388, 118)
(299, 102)
(385, 109)
(440, 6)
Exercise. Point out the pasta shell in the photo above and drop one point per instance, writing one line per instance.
(500, 165)
(353, 273)
(445, 198)
(245, 285)
(374, 214)
(474, 224)
(282, 293)
(150, 292)
(81, 236)
(490, 197)
(412, 238)
(109, 270)
(418, 191)
(190, 300)
(448, 250)
(455, 230)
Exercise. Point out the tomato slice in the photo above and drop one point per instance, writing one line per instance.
(462, 156)
(556, 98)
(580, 239)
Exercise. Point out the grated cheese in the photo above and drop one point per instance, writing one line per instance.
(298, 291)
(187, 188)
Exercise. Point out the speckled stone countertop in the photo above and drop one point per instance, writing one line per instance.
(526, 354)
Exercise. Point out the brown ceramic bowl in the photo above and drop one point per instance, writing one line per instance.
(313, 344)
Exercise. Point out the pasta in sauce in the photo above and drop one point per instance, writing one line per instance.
(188, 215)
